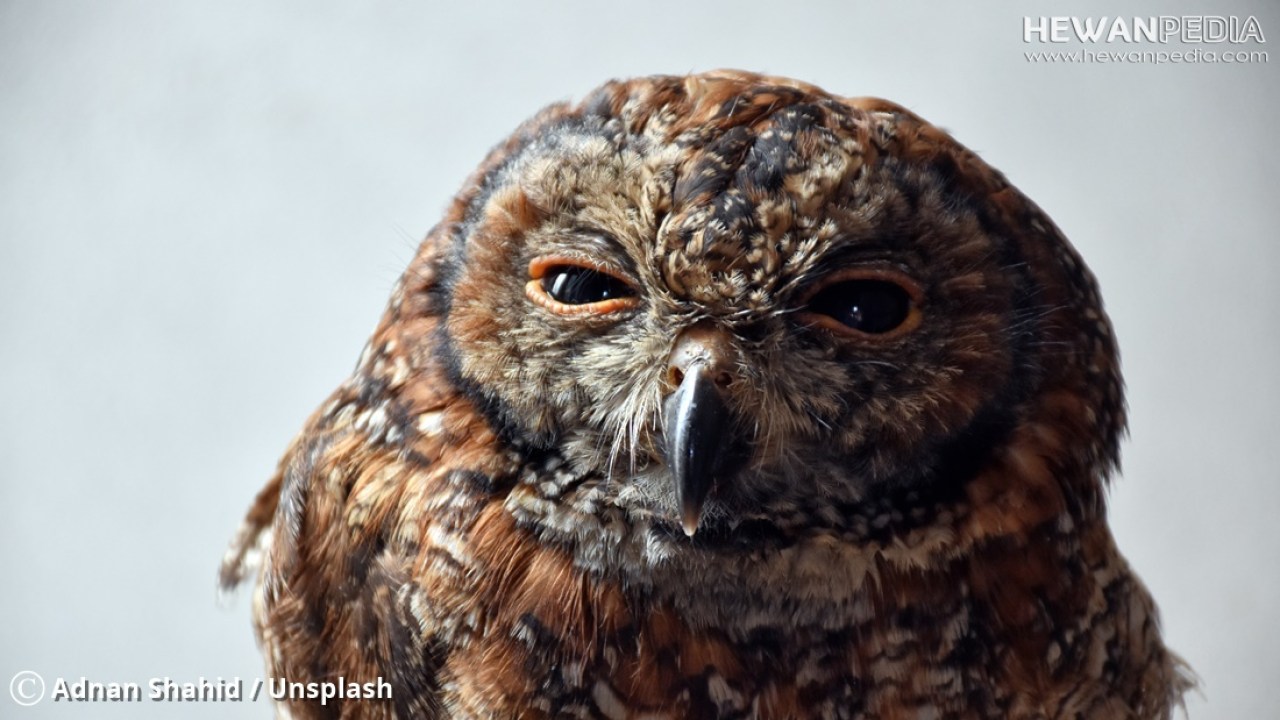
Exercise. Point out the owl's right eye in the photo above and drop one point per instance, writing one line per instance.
(572, 287)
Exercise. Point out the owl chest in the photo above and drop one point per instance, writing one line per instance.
(576, 647)
(534, 635)
(667, 671)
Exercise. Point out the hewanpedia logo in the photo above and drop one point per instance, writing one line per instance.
(1186, 29)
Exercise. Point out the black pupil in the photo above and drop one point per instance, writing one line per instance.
(574, 285)
(872, 306)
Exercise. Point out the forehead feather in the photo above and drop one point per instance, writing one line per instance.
(728, 191)
(730, 188)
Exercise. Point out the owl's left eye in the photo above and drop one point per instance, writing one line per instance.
(866, 303)
(571, 287)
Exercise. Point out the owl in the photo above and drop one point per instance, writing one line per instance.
(718, 396)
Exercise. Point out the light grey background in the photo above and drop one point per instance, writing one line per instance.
(203, 207)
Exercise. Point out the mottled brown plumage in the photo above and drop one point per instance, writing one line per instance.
(720, 396)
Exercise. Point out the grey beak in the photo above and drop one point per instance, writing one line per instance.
(697, 423)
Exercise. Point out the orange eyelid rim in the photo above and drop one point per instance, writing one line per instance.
(902, 280)
(533, 289)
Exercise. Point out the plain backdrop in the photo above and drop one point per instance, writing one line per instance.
(203, 207)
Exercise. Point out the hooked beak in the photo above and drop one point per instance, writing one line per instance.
(697, 422)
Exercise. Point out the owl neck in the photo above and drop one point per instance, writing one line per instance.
(1010, 537)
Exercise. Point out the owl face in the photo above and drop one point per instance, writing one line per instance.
(754, 311)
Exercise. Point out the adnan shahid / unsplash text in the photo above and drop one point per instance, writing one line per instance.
(29, 688)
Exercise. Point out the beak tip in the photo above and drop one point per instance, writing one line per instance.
(690, 525)
(697, 422)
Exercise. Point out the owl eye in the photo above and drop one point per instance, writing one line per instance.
(869, 302)
(575, 285)
(569, 287)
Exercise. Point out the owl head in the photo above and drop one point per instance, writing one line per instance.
(739, 306)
